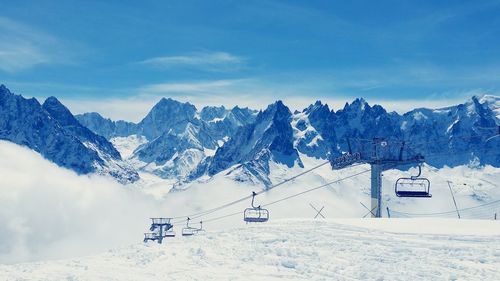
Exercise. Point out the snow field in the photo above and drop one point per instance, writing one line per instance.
(65, 215)
(354, 249)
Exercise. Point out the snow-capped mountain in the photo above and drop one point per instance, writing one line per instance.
(177, 141)
(178, 136)
(186, 144)
(457, 131)
(105, 126)
(449, 136)
(181, 137)
(224, 123)
(269, 138)
(52, 131)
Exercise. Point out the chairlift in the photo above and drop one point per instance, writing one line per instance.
(200, 230)
(150, 237)
(189, 230)
(170, 233)
(255, 214)
(414, 186)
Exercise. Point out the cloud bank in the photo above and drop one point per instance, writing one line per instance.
(47, 212)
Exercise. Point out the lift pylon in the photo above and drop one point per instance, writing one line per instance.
(382, 159)
(159, 229)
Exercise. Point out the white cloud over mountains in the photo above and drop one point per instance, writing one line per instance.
(48, 212)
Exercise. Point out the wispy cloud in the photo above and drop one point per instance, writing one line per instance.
(191, 87)
(206, 61)
(23, 47)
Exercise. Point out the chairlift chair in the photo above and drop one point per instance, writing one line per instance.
(149, 237)
(413, 186)
(170, 233)
(189, 230)
(200, 230)
(255, 214)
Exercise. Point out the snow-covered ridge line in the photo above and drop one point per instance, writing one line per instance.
(183, 143)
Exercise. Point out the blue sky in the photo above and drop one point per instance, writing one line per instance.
(130, 53)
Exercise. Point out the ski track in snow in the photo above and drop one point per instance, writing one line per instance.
(295, 250)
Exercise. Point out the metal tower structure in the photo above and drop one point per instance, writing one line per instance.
(159, 228)
(382, 158)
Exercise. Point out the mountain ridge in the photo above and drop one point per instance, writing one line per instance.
(184, 143)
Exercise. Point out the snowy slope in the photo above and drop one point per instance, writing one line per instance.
(127, 145)
(472, 187)
(357, 249)
(91, 214)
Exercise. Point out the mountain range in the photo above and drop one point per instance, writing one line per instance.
(183, 143)
(51, 130)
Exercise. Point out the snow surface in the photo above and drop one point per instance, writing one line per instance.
(55, 214)
(356, 249)
(127, 145)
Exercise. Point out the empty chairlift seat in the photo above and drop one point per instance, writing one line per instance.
(255, 214)
(150, 237)
(189, 230)
(413, 186)
(170, 233)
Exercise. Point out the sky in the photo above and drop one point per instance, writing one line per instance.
(121, 57)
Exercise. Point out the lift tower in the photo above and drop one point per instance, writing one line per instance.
(383, 157)
(159, 228)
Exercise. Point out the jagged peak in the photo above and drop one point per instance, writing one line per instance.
(93, 114)
(4, 88)
(56, 109)
(236, 107)
(360, 101)
(4, 91)
(53, 102)
(358, 104)
(277, 104)
(277, 108)
(210, 112)
(168, 108)
(244, 109)
(208, 107)
(318, 105)
(169, 102)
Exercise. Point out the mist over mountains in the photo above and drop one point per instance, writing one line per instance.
(185, 143)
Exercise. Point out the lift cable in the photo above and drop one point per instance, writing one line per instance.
(447, 212)
(209, 211)
(292, 196)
